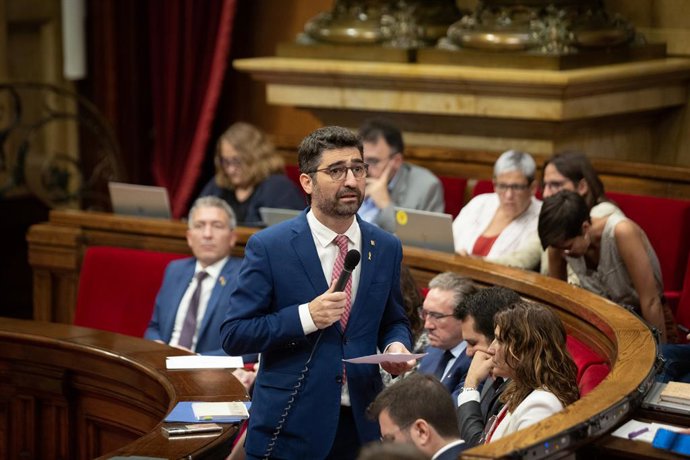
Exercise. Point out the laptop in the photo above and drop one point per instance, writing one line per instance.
(425, 229)
(272, 216)
(653, 401)
(139, 200)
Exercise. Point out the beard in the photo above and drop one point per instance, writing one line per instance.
(332, 206)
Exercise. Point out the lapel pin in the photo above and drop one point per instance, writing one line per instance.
(222, 280)
(372, 242)
(369, 255)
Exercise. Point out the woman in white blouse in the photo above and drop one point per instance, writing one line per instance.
(530, 348)
(499, 225)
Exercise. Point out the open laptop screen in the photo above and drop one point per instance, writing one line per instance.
(425, 229)
(139, 200)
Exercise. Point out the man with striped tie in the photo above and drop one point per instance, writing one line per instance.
(307, 402)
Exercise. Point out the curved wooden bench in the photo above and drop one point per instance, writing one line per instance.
(56, 249)
(73, 392)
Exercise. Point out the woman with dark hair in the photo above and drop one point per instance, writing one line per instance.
(610, 255)
(530, 349)
(250, 175)
(572, 170)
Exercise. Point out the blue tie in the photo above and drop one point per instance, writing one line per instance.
(447, 356)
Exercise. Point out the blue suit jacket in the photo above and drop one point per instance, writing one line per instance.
(178, 275)
(282, 270)
(455, 378)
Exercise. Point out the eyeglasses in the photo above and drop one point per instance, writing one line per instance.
(227, 162)
(339, 173)
(390, 437)
(554, 185)
(374, 162)
(432, 315)
(502, 188)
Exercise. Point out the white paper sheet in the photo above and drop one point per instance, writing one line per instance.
(635, 426)
(203, 362)
(385, 358)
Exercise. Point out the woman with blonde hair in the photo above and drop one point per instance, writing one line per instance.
(250, 175)
(530, 349)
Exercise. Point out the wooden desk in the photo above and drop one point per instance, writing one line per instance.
(76, 393)
(56, 248)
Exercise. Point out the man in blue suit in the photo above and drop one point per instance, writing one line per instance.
(446, 354)
(418, 410)
(307, 402)
(211, 237)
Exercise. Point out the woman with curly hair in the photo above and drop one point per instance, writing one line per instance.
(250, 175)
(530, 349)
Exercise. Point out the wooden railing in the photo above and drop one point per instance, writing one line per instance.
(55, 254)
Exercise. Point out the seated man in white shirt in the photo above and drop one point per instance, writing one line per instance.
(418, 410)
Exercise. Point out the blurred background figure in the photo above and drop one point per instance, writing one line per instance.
(610, 255)
(250, 175)
(530, 349)
(499, 226)
(390, 451)
(392, 181)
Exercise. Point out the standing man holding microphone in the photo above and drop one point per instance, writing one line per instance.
(307, 402)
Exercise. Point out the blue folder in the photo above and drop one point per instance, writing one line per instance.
(183, 412)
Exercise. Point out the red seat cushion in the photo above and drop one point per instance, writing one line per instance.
(592, 368)
(453, 193)
(118, 287)
(666, 222)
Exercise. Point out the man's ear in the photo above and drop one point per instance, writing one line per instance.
(307, 183)
(421, 432)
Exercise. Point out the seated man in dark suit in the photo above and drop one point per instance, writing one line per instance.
(192, 301)
(417, 410)
(475, 408)
(446, 358)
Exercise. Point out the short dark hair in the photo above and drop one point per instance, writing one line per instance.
(374, 128)
(575, 166)
(561, 217)
(418, 396)
(327, 138)
(483, 306)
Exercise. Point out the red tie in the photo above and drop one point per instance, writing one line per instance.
(341, 242)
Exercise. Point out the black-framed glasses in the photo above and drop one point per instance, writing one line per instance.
(374, 162)
(339, 173)
(227, 162)
(554, 185)
(502, 188)
(432, 315)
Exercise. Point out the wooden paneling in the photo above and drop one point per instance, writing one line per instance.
(69, 392)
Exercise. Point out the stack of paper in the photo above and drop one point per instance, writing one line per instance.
(204, 362)
(219, 411)
(676, 392)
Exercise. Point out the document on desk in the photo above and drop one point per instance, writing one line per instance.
(385, 358)
(641, 431)
(203, 362)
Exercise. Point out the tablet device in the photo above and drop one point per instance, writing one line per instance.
(425, 229)
(272, 216)
(139, 200)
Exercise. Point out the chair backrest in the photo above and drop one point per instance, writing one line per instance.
(118, 287)
(482, 186)
(453, 193)
(591, 367)
(666, 222)
(683, 310)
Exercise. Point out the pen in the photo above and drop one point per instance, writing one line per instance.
(634, 434)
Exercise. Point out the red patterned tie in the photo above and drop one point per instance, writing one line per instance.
(341, 242)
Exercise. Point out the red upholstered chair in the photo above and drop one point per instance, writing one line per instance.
(666, 222)
(292, 171)
(482, 186)
(118, 287)
(453, 193)
(591, 367)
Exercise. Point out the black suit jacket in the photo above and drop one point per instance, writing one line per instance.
(473, 415)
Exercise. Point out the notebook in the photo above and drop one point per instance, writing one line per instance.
(425, 229)
(139, 200)
(272, 216)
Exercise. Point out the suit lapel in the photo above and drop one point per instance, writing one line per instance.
(213, 300)
(305, 250)
(182, 280)
(368, 263)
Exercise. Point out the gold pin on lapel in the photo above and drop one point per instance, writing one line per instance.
(222, 280)
(372, 242)
(369, 255)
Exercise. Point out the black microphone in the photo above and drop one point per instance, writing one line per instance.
(351, 260)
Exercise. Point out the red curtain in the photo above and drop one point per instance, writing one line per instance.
(189, 48)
